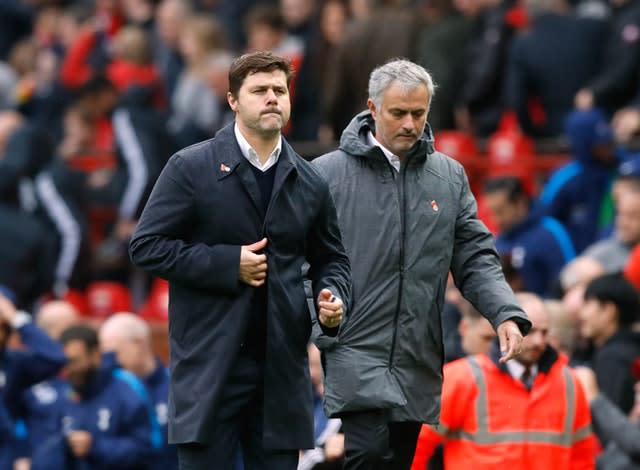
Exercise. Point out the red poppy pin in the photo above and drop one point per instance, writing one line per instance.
(434, 206)
(224, 168)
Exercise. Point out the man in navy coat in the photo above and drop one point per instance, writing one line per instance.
(229, 224)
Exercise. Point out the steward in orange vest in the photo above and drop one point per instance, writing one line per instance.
(490, 419)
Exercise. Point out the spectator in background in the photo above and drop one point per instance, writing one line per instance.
(196, 109)
(40, 403)
(563, 328)
(618, 433)
(494, 412)
(309, 101)
(170, 19)
(40, 359)
(387, 31)
(28, 255)
(24, 150)
(549, 63)
(129, 337)
(539, 245)
(476, 334)
(442, 41)
(479, 104)
(103, 422)
(613, 251)
(611, 307)
(577, 193)
(615, 84)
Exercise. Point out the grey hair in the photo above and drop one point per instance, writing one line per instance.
(404, 72)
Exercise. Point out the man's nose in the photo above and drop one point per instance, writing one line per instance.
(271, 96)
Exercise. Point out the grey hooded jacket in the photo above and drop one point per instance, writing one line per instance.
(403, 233)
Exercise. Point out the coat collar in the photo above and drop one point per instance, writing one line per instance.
(230, 161)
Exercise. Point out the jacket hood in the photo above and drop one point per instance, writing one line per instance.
(584, 129)
(354, 137)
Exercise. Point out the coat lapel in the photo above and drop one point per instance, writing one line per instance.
(231, 161)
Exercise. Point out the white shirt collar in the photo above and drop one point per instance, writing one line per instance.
(394, 160)
(516, 369)
(251, 155)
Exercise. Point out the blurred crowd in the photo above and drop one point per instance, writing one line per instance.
(96, 95)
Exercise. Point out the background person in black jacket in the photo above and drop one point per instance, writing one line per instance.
(230, 223)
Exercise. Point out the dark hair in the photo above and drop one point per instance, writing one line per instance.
(96, 85)
(512, 185)
(256, 62)
(616, 289)
(83, 333)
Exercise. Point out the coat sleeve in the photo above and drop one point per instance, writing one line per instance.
(476, 269)
(328, 262)
(160, 243)
(42, 359)
(613, 426)
(583, 450)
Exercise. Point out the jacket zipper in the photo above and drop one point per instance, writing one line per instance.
(401, 196)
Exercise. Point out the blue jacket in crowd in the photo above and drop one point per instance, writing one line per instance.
(111, 408)
(157, 386)
(539, 247)
(19, 370)
(577, 193)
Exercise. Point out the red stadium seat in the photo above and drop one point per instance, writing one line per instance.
(156, 307)
(463, 147)
(511, 153)
(107, 297)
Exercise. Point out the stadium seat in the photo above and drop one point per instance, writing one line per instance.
(107, 297)
(156, 307)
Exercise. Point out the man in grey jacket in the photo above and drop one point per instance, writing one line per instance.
(408, 218)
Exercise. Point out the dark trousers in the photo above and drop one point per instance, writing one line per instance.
(238, 427)
(373, 442)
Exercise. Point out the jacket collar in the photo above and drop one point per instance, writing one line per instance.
(354, 139)
(548, 358)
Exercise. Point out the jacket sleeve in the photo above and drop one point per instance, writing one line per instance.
(328, 262)
(42, 359)
(583, 450)
(476, 269)
(137, 171)
(613, 426)
(159, 245)
(129, 450)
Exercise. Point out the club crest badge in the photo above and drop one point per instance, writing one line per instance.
(434, 206)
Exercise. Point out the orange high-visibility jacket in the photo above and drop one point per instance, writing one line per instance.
(490, 420)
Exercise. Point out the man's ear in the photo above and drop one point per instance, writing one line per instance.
(233, 102)
(372, 107)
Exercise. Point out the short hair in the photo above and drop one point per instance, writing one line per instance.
(512, 185)
(83, 333)
(407, 74)
(256, 62)
(127, 325)
(616, 289)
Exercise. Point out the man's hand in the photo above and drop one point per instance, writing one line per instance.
(253, 266)
(80, 443)
(588, 381)
(334, 447)
(510, 340)
(330, 309)
(8, 311)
